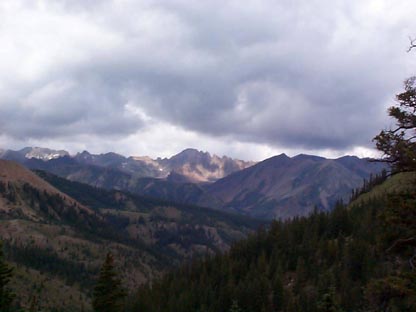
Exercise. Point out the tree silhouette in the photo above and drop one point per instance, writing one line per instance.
(397, 291)
(398, 145)
(108, 292)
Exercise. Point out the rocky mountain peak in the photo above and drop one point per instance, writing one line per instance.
(42, 153)
(190, 155)
(83, 155)
(195, 165)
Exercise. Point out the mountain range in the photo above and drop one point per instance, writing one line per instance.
(190, 165)
(278, 187)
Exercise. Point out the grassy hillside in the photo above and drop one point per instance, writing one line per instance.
(398, 183)
(357, 258)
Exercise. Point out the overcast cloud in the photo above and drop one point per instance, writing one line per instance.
(243, 78)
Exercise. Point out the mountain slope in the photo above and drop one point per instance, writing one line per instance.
(20, 186)
(153, 210)
(63, 232)
(283, 187)
(129, 165)
(398, 183)
(175, 187)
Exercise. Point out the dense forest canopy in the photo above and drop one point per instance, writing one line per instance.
(351, 259)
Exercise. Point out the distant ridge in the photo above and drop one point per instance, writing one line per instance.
(196, 166)
(33, 152)
(284, 187)
(278, 187)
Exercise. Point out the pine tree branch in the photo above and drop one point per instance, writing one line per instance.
(412, 44)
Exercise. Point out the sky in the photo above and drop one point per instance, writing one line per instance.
(247, 79)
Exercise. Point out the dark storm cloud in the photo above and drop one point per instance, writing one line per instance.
(279, 74)
(298, 74)
(67, 108)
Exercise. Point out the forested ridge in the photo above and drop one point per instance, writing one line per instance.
(351, 259)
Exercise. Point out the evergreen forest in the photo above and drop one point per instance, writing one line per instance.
(359, 257)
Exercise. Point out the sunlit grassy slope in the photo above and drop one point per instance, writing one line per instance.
(394, 184)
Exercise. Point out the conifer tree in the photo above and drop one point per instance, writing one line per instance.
(108, 292)
(398, 145)
(6, 295)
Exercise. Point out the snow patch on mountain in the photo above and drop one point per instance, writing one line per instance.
(45, 154)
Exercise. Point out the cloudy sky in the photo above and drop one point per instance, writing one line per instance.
(249, 79)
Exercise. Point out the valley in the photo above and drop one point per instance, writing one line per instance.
(57, 233)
